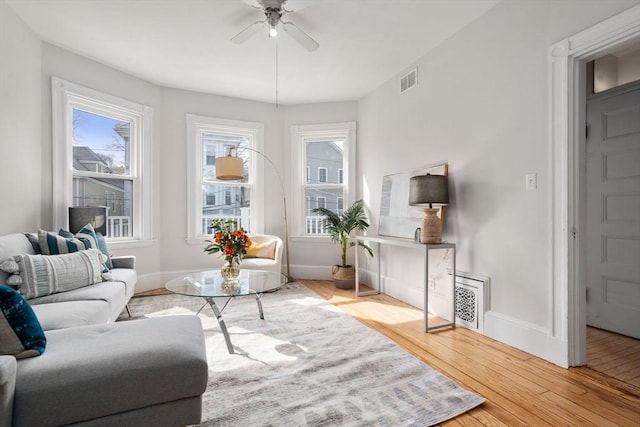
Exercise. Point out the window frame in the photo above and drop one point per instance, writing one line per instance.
(324, 202)
(345, 131)
(198, 125)
(326, 175)
(65, 96)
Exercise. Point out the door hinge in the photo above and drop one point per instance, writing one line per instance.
(586, 132)
(586, 294)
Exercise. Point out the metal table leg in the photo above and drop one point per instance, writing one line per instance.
(223, 327)
(259, 301)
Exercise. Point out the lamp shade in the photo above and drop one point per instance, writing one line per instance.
(229, 168)
(83, 215)
(425, 190)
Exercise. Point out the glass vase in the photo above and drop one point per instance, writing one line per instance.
(230, 271)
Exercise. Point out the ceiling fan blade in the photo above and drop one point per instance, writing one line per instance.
(245, 34)
(300, 36)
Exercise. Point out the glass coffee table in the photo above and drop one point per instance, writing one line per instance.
(210, 285)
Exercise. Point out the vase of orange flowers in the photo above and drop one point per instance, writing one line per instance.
(231, 242)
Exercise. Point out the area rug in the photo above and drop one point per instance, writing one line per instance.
(310, 364)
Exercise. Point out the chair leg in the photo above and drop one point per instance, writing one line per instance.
(128, 310)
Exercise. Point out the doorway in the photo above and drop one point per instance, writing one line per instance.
(568, 77)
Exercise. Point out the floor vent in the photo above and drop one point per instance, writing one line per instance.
(472, 296)
(409, 80)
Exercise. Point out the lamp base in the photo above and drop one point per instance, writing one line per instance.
(431, 229)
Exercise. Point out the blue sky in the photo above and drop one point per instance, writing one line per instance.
(97, 132)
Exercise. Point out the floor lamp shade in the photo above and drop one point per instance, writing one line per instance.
(427, 190)
(94, 215)
(229, 168)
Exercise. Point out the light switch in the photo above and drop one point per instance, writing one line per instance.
(531, 181)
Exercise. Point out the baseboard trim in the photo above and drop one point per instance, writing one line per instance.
(525, 336)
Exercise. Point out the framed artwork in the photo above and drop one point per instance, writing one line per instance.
(397, 218)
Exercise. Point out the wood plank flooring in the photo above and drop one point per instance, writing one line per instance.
(520, 389)
(614, 355)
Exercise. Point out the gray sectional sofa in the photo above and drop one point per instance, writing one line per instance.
(98, 372)
(96, 304)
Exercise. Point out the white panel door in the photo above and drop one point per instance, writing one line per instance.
(613, 211)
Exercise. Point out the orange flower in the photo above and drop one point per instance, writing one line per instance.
(231, 243)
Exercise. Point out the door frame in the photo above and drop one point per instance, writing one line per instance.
(567, 121)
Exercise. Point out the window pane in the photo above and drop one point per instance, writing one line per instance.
(100, 143)
(216, 145)
(329, 198)
(324, 161)
(114, 194)
(227, 202)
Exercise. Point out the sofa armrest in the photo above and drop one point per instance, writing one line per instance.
(8, 368)
(128, 261)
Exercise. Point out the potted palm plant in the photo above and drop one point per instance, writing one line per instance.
(339, 228)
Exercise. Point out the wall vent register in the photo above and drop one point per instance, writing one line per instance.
(409, 80)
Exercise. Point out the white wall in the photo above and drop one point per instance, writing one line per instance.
(481, 105)
(77, 69)
(20, 125)
(312, 257)
(170, 254)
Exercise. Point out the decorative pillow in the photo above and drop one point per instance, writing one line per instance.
(35, 244)
(102, 245)
(262, 249)
(44, 275)
(52, 244)
(20, 332)
(91, 240)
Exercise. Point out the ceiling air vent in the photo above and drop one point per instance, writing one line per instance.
(409, 80)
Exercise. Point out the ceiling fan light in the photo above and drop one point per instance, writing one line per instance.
(273, 32)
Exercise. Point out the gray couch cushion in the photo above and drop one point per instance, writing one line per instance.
(8, 367)
(94, 371)
(114, 293)
(68, 314)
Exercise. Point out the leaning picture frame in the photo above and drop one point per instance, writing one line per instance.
(397, 217)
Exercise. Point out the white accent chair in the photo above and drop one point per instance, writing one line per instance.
(270, 246)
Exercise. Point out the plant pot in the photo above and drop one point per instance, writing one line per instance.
(344, 277)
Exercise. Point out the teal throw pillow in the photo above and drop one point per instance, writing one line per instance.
(91, 240)
(21, 334)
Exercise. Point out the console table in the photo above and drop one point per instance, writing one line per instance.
(409, 243)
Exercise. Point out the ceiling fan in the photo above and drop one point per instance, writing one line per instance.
(273, 11)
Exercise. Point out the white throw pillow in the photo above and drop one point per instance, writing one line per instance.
(49, 274)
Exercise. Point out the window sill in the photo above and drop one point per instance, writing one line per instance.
(128, 244)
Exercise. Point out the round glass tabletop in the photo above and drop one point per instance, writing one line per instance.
(211, 284)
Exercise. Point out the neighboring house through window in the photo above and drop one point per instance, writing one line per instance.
(322, 174)
(208, 197)
(328, 152)
(102, 157)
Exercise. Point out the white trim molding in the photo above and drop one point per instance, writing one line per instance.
(299, 133)
(566, 67)
(65, 96)
(196, 127)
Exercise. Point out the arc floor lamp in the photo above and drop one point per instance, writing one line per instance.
(231, 168)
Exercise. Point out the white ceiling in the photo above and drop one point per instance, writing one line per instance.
(186, 43)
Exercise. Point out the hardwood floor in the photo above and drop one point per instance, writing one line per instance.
(614, 355)
(520, 389)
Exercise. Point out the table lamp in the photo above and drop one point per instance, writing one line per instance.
(79, 216)
(427, 190)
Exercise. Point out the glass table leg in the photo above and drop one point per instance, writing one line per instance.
(223, 326)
